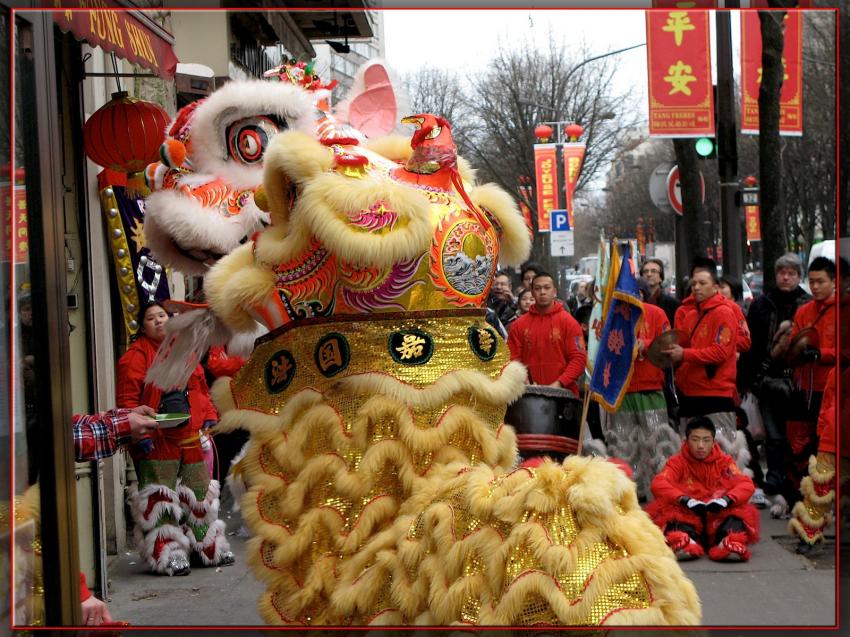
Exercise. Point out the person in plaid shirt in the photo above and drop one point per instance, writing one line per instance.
(100, 435)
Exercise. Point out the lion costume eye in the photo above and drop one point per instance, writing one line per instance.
(248, 138)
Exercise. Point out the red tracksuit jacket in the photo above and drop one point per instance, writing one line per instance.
(821, 316)
(132, 391)
(646, 376)
(711, 329)
(550, 345)
(714, 477)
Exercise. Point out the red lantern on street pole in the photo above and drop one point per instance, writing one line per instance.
(124, 135)
(543, 132)
(750, 181)
(573, 131)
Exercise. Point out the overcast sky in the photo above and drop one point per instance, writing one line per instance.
(465, 41)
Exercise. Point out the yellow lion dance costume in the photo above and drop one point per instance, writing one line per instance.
(380, 473)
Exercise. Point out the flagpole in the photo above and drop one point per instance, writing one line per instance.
(582, 430)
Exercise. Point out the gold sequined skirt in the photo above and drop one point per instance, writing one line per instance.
(381, 489)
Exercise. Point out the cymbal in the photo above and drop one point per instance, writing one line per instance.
(806, 337)
(655, 353)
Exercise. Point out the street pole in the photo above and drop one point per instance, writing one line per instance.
(727, 151)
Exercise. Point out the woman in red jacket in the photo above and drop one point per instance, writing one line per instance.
(175, 508)
(702, 500)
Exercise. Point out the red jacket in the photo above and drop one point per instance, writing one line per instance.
(550, 345)
(821, 316)
(132, 391)
(826, 418)
(646, 376)
(714, 477)
(743, 340)
(220, 363)
(711, 329)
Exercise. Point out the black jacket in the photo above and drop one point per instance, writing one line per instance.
(667, 303)
(763, 318)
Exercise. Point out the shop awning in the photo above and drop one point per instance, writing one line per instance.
(115, 28)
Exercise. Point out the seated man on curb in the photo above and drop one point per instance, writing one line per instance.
(702, 500)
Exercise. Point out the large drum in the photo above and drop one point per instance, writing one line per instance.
(547, 422)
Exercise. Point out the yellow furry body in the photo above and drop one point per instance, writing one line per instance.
(380, 473)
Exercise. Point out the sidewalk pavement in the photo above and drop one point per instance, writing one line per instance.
(775, 588)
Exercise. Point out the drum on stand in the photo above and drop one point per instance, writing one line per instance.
(547, 421)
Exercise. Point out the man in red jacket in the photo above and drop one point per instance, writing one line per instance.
(640, 432)
(548, 340)
(819, 359)
(702, 500)
(706, 372)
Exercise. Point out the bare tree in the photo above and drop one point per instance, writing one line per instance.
(524, 87)
(440, 92)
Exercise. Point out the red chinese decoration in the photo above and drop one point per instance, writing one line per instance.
(679, 63)
(573, 131)
(791, 95)
(543, 132)
(573, 158)
(546, 171)
(125, 134)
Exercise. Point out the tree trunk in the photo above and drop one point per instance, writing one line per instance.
(693, 217)
(772, 209)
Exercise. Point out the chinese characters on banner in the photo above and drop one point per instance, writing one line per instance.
(13, 207)
(679, 64)
(546, 171)
(751, 214)
(791, 96)
(573, 156)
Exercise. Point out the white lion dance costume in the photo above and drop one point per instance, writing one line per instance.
(380, 473)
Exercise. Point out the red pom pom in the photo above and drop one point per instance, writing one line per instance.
(173, 153)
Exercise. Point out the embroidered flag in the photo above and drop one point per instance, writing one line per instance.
(614, 363)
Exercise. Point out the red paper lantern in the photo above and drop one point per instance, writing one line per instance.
(574, 131)
(125, 134)
(543, 132)
(750, 180)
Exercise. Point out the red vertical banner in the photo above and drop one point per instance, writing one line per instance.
(791, 96)
(751, 215)
(679, 65)
(546, 172)
(573, 157)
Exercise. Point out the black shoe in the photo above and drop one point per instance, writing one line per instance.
(807, 550)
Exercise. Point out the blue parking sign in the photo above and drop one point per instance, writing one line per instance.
(560, 220)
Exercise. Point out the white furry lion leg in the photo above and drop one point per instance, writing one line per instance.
(813, 514)
(204, 531)
(160, 541)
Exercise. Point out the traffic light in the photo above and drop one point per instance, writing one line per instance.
(706, 148)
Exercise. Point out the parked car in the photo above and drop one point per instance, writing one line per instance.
(755, 280)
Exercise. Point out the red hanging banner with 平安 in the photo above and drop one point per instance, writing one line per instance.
(546, 172)
(791, 96)
(679, 66)
(573, 157)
